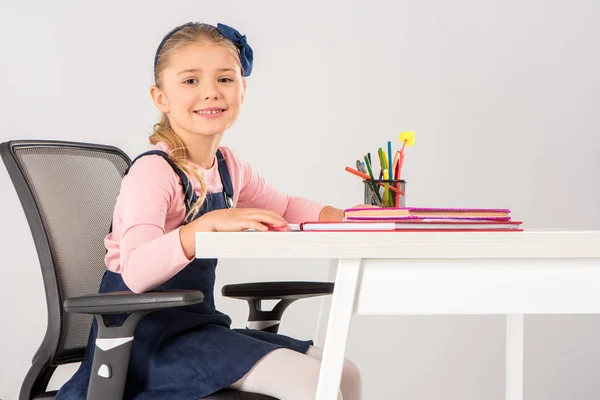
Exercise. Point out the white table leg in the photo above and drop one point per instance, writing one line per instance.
(342, 306)
(325, 307)
(514, 357)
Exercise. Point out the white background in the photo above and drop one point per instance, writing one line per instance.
(503, 97)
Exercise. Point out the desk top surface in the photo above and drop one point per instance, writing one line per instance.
(526, 244)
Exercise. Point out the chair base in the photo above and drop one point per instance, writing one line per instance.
(225, 394)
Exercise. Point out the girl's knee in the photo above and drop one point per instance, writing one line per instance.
(283, 374)
(351, 377)
(351, 370)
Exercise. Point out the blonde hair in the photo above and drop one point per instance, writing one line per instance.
(190, 33)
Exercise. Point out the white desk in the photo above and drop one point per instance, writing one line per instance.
(511, 273)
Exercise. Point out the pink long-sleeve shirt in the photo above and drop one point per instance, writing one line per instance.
(144, 245)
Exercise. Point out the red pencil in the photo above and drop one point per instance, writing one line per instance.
(368, 178)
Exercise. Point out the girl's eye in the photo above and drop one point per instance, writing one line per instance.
(190, 81)
(225, 80)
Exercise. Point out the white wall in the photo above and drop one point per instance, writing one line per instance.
(503, 96)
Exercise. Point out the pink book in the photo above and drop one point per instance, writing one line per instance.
(389, 213)
(412, 218)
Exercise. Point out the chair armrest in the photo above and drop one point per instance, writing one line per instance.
(127, 302)
(113, 343)
(286, 292)
(277, 290)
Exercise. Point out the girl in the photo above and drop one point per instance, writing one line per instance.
(186, 184)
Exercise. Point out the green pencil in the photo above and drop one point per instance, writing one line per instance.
(373, 185)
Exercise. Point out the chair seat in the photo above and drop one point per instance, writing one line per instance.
(220, 395)
(227, 394)
(46, 396)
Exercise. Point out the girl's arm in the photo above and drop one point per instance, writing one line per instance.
(141, 249)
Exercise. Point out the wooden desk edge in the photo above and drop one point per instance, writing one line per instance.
(527, 244)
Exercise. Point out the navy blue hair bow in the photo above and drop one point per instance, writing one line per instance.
(239, 40)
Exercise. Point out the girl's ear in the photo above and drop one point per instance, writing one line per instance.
(244, 91)
(159, 98)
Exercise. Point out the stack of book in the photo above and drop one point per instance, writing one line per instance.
(419, 219)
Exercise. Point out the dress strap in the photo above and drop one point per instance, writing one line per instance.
(225, 179)
(188, 190)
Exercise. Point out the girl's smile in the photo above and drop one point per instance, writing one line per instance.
(210, 112)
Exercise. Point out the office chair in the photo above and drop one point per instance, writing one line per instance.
(68, 191)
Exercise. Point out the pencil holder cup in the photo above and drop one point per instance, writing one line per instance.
(385, 193)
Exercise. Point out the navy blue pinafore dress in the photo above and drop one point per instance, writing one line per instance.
(190, 352)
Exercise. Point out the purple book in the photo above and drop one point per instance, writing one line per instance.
(504, 210)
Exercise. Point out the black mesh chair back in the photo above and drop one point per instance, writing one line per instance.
(68, 192)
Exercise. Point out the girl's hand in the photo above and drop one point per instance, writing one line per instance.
(239, 219)
(228, 220)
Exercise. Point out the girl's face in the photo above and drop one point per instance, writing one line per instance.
(202, 89)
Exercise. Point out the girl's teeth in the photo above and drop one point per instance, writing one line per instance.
(209, 112)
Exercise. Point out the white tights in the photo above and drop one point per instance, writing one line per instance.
(289, 375)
